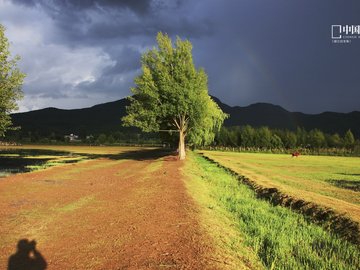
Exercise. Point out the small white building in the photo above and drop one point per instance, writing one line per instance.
(72, 138)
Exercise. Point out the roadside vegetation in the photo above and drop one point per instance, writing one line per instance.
(331, 182)
(280, 238)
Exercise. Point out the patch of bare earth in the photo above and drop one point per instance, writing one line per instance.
(105, 214)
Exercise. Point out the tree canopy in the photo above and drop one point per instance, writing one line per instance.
(349, 139)
(171, 94)
(11, 80)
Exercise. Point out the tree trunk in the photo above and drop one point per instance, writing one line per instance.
(182, 153)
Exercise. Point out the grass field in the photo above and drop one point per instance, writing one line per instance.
(141, 208)
(331, 182)
(280, 238)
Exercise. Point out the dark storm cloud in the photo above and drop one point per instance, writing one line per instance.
(122, 30)
(252, 50)
(127, 60)
(59, 6)
(282, 53)
(91, 21)
(118, 76)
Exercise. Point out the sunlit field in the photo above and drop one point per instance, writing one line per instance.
(280, 238)
(327, 181)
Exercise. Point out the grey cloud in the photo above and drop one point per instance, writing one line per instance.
(60, 6)
(117, 79)
(127, 60)
(96, 22)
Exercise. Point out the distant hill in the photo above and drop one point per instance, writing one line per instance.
(273, 116)
(98, 119)
(104, 118)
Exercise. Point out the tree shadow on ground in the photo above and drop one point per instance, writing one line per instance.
(35, 152)
(20, 164)
(27, 257)
(140, 154)
(21, 160)
(347, 184)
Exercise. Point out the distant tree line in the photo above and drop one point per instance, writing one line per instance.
(266, 138)
(119, 137)
(244, 138)
(104, 138)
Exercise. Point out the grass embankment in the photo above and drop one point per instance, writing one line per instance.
(331, 182)
(244, 225)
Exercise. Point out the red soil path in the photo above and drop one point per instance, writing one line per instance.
(104, 214)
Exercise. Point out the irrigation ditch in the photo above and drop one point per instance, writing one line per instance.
(334, 222)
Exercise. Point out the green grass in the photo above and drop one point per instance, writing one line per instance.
(331, 182)
(217, 222)
(279, 237)
(54, 162)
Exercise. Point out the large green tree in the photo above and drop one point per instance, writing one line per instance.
(11, 79)
(171, 94)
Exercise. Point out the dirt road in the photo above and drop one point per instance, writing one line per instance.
(107, 213)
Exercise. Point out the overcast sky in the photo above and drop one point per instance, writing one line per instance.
(80, 53)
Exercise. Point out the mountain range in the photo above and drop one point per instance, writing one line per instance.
(106, 117)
